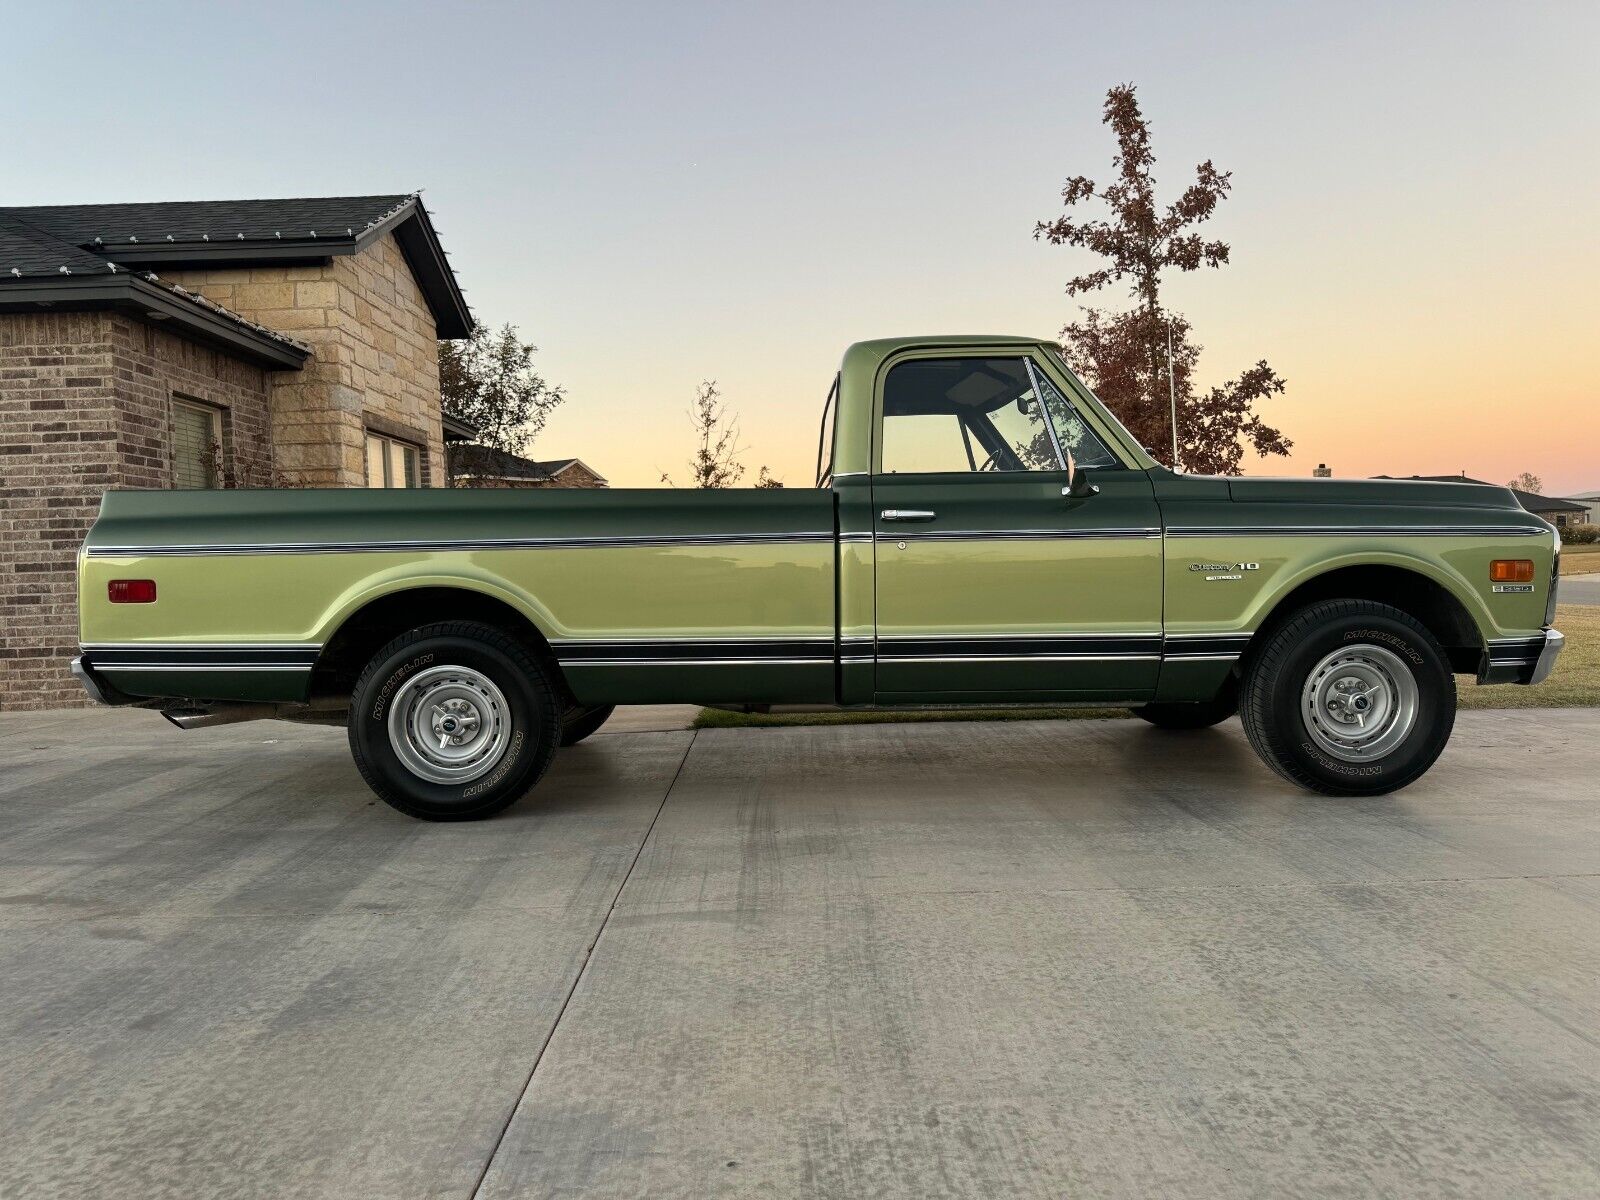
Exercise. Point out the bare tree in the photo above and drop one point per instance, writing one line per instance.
(1527, 482)
(716, 458)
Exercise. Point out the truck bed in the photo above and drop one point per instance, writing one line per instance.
(740, 582)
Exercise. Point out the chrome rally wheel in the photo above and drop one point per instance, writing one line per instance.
(1359, 703)
(449, 724)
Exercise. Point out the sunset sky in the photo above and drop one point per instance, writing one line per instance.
(663, 193)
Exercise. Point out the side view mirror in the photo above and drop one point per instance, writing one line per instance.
(1081, 486)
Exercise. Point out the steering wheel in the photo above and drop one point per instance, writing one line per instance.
(992, 463)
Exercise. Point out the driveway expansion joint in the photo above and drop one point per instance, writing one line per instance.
(588, 956)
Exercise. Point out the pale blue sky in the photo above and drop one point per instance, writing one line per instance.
(660, 193)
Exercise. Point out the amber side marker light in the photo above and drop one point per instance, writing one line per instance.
(131, 591)
(1511, 570)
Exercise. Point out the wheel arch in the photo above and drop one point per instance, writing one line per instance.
(1405, 585)
(365, 623)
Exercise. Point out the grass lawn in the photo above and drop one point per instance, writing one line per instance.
(1580, 560)
(1574, 683)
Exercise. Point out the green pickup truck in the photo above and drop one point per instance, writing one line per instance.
(982, 532)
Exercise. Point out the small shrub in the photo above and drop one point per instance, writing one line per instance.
(1580, 535)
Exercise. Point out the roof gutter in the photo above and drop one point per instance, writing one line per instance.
(137, 297)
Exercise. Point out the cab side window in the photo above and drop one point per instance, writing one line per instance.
(980, 415)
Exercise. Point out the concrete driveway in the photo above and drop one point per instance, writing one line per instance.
(1021, 959)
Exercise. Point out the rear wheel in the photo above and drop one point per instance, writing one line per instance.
(1189, 716)
(454, 721)
(580, 722)
(1349, 698)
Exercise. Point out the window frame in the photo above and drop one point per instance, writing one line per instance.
(828, 434)
(1038, 369)
(388, 443)
(214, 466)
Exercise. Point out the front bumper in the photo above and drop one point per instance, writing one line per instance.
(1554, 644)
(1525, 660)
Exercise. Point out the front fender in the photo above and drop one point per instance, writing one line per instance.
(1435, 570)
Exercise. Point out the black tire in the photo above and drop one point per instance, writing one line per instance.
(1189, 716)
(531, 720)
(580, 722)
(1272, 697)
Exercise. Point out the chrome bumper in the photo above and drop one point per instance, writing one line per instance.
(1554, 643)
(99, 691)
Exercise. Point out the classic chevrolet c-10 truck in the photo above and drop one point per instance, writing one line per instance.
(982, 532)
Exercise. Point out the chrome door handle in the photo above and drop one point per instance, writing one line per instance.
(908, 514)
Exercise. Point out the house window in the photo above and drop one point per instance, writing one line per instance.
(391, 463)
(196, 445)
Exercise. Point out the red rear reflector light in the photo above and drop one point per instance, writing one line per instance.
(1511, 570)
(131, 591)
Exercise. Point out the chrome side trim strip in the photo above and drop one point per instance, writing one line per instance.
(1151, 636)
(189, 667)
(200, 646)
(967, 658)
(455, 544)
(1016, 535)
(1188, 531)
(695, 662)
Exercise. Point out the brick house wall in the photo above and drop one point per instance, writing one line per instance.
(86, 405)
(375, 359)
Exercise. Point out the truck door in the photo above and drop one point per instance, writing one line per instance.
(993, 583)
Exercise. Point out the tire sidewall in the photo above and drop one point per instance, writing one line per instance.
(527, 720)
(1435, 707)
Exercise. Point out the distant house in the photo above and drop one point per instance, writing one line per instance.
(482, 467)
(1591, 505)
(1557, 511)
(202, 344)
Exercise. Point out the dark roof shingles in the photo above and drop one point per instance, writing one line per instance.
(197, 220)
(27, 251)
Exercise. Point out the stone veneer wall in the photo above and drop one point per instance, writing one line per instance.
(375, 361)
(86, 405)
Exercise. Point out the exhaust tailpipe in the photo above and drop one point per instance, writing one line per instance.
(221, 714)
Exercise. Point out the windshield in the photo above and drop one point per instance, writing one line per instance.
(825, 436)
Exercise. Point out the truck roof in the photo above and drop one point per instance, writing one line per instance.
(881, 348)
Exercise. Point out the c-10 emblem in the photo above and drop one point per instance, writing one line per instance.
(1217, 572)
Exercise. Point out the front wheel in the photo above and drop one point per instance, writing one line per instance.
(1349, 698)
(454, 721)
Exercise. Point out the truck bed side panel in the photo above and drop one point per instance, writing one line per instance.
(642, 595)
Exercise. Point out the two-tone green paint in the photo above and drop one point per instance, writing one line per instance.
(807, 595)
